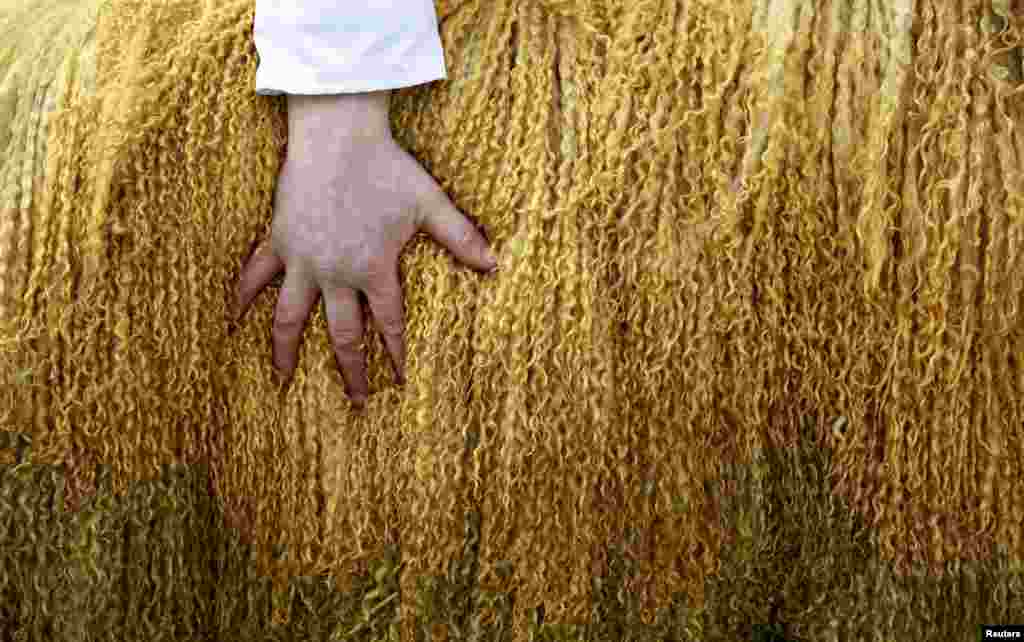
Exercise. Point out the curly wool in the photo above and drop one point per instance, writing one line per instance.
(714, 219)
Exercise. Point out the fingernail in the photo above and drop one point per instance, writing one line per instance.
(490, 258)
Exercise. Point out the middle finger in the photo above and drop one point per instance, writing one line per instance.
(294, 306)
(345, 326)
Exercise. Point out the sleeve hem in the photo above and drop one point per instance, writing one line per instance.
(355, 87)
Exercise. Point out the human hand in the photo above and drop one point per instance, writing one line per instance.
(348, 199)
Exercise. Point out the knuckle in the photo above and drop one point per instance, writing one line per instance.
(421, 209)
(376, 268)
(346, 339)
(391, 326)
(265, 247)
(287, 325)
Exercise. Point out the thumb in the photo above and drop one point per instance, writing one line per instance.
(448, 226)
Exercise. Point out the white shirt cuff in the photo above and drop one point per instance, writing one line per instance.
(334, 47)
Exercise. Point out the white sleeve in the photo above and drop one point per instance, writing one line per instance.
(345, 46)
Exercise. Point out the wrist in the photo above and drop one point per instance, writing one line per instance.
(337, 118)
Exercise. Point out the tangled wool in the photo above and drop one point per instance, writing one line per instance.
(714, 219)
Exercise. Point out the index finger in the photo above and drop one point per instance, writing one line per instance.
(259, 270)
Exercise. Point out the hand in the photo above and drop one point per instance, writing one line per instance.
(348, 199)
